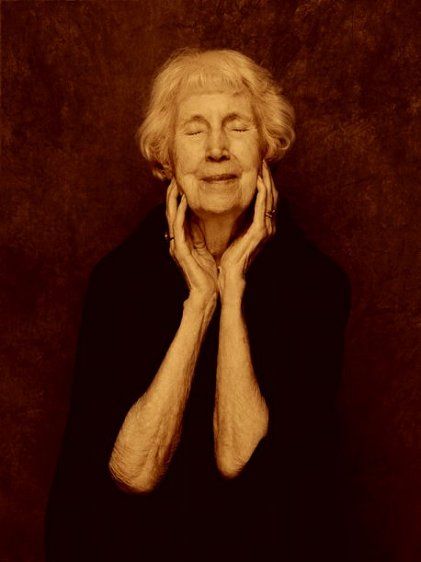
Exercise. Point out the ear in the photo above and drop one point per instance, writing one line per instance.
(168, 173)
(163, 171)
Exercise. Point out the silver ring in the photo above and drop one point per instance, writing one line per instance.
(270, 213)
(168, 237)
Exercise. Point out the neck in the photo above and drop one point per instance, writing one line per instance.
(219, 231)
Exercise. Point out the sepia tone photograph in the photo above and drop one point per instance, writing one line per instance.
(209, 281)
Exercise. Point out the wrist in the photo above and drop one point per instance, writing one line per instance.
(232, 295)
(200, 302)
(231, 288)
(232, 305)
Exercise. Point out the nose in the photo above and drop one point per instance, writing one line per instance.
(217, 147)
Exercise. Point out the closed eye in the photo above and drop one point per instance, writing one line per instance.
(191, 131)
(238, 128)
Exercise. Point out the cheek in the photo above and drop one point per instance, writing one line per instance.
(248, 187)
(186, 157)
(184, 165)
(250, 181)
(248, 152)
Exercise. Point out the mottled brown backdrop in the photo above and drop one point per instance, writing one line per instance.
(74, 78)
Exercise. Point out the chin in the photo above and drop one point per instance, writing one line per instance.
(220, 206)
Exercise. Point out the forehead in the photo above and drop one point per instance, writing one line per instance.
(214, 104)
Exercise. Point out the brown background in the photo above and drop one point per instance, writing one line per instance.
(75, 76)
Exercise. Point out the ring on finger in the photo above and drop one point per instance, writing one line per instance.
(168, 237)
(270, 213)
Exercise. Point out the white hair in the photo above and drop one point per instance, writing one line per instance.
(196, 69)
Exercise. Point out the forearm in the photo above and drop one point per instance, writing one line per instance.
(241, 414)
(152, 427)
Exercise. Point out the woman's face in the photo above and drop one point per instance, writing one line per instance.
(215, 152)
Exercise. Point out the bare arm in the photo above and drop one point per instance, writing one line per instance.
(241, 415)
(151, 430)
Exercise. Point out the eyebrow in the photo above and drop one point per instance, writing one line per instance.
(196, 117)
(240, 116)
(230, 117)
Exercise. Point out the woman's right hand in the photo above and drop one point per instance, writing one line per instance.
(189, 251)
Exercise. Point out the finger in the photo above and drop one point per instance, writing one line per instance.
(171, 210)
(260, 206)
(275, 194)
(267, 180)
(170, 188)
(275, 203)
(269, 197)
(273, 198)
(178, 226)
(274, 190)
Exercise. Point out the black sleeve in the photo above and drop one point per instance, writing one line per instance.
(108, 379)
(298, 360)
(297, 347)
(313, 424)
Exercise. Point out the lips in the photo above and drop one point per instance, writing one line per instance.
(219, 177)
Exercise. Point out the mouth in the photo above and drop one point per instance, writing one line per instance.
(219, 178)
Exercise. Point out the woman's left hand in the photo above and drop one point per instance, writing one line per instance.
(239, 255)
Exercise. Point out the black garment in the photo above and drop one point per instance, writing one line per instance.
(282, 506)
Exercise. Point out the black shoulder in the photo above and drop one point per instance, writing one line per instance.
(137, 252)
(312, 270)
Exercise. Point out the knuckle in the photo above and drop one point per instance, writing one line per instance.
(181, 253)
(261, 231)
(257, 230)
(253, 235)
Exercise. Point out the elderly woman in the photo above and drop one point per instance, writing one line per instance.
(202, 422)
